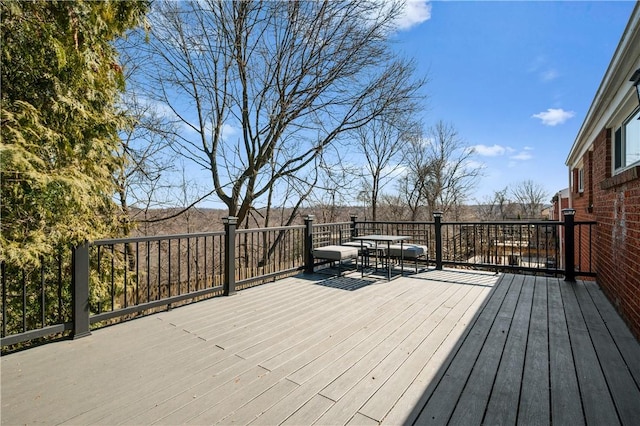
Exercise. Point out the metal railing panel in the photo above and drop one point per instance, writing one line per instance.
(122, 278)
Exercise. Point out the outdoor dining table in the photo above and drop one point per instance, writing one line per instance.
(389, 239)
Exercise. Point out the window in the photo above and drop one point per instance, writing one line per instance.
(581, 179)
(626, 145)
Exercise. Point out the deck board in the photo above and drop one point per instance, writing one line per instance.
(534, 393)
(438, 347)
(440, 405)
(566, 405)
(596, 400)
(473, 401)
(506, 388)
(624, 393)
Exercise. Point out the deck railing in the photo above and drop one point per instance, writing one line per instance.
(106, 281)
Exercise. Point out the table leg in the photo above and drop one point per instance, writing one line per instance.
(362, 254)
(388, 260)
(401, 258)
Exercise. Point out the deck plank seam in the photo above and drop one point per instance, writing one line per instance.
(434, 385)
(506, 334)
(572, 338)
(594, 321)
(480, 348)
(589, 329)
(414, 347)
(459, 317)
(613, 335)
(507, 340)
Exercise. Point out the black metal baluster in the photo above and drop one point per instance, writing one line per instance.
(24, 301)
(188, 265)
(42, 295)
(148, 271)
(137, 273)
(113, 283)
(3, 271)
(159, 270)
(579, 228)
(197, 264)
(60, 308)
(126, 268)
(221, 257)
(169, 280)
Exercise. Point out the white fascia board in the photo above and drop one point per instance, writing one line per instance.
(610, 99)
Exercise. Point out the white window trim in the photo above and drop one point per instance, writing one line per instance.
(622, 127)
(581, 180)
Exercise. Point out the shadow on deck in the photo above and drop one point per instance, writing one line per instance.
(541, 351)
(440, 347)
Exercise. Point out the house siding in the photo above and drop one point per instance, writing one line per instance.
(615, 205)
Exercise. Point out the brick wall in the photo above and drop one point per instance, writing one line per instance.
(614, 202)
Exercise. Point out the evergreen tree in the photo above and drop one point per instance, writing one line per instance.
(60, 84)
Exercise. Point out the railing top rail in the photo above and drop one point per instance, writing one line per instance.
(319, 225)
(507, 222)
(110, 241)
(274, 228)
(397, 222)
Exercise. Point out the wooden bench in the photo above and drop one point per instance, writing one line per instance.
(336, 253)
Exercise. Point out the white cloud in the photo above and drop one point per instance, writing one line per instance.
(476, 165)
(522, 156)
(540, 66)
(229, 131)
(553, 116)
(415, 13)
(489, 151)
(549, 75)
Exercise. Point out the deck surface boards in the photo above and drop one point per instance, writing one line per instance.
(452, 379)
(624, 340)
(404, 409)
(438, 347)
(507, 386)
(624, 390)
(534, 391)
(597, 400)
(398, 384)
(475, 396)
(566, 405)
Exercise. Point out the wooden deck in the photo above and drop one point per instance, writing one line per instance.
(457, 347)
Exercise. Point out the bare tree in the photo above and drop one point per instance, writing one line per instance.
(413, 184)
(381, 142)
(440, 173)
(261, 89)
(530, 196)
(496, 207)
(335, 187)
(143, 179)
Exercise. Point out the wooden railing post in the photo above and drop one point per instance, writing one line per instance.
(80, 294)
(308, 244)
(229, 286)
(437, 217)
(569, 245)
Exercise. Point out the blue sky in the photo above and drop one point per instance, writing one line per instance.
(515, 78)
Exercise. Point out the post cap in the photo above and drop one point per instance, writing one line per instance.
(310, 217)
(437, 214)
(230, 220)
(569, 212)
